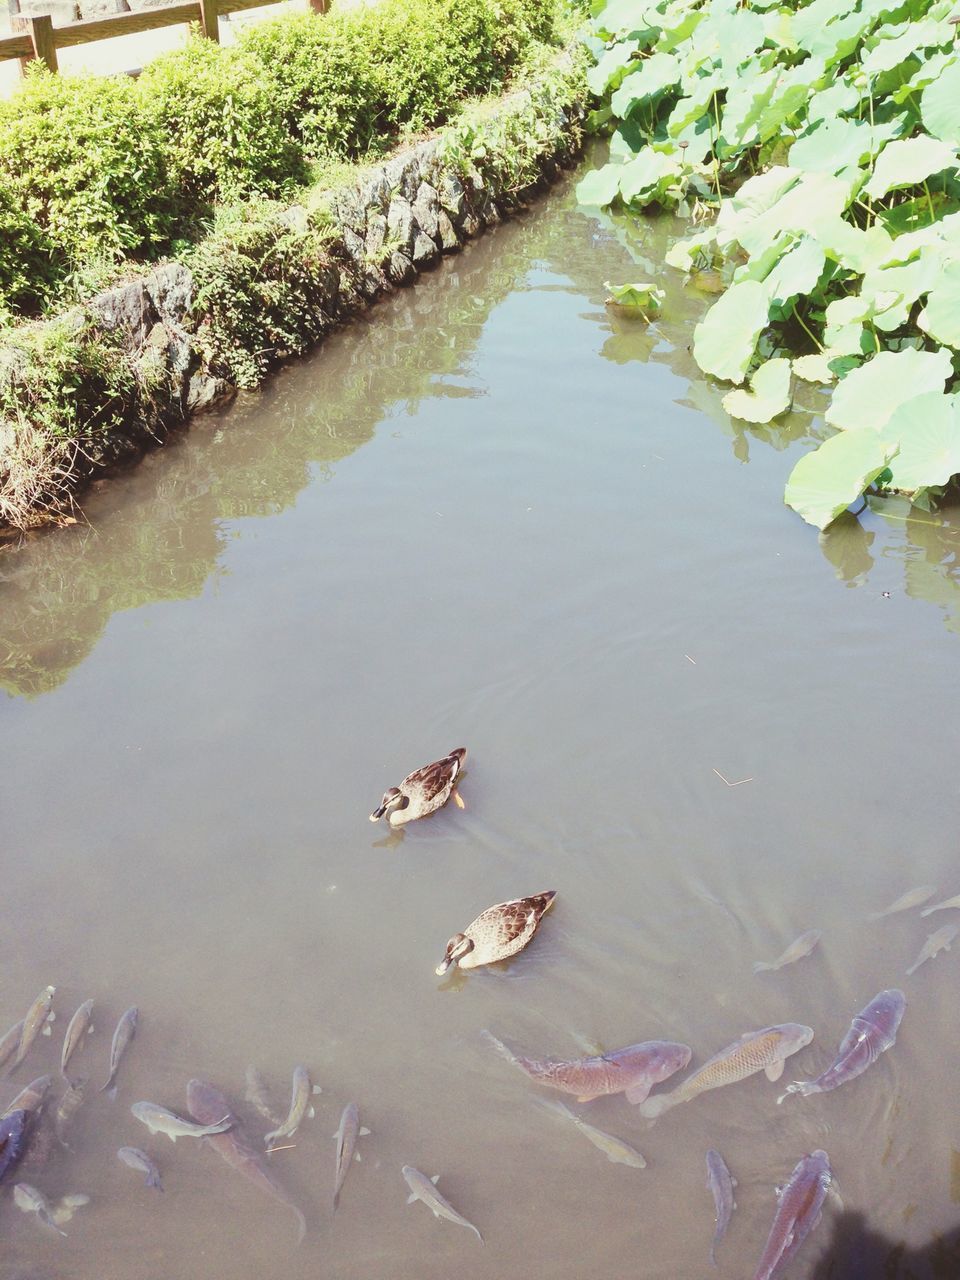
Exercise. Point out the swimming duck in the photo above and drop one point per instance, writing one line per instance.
(422, 792)
(497, 933)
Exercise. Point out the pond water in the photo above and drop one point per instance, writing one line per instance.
(495, 515)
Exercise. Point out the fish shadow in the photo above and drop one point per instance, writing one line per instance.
(858, 1252)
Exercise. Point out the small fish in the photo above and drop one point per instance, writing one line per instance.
(798, 1212)
(796, 951)
(720, 1182)
(616, 1151)
(632, 1071)
(126, 1030)
(134, 1158)
(299, 1107)
(69, 1104)
(941, 906)
(346, 1137)
(259, 1098)
(13, 1136)
(31, 1097)
(764, 1051)
(913, 898)
(37, 1015)
(10, 1042)
(871, 1033)
(160, 1120)
(205, 1103)
(424, 1188)
(30, 1200)
(78, 1027)
(939, 941)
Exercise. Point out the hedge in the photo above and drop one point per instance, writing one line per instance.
(97, 171)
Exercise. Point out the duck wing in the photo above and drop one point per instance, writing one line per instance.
(505, 929)
(433, 778)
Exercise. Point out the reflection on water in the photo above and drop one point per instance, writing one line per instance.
(547, 550)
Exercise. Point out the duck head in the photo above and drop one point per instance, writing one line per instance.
(393, 799)
(458, 946)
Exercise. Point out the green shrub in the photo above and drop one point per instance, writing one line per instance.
(262, 286)
(224, 131)
(94, 170)
(79, 161)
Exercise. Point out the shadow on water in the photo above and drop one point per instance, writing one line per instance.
(857, 1252)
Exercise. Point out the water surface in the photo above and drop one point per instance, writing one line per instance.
(493, 515)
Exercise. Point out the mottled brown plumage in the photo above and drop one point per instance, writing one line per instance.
(497, 933)
(422, 792)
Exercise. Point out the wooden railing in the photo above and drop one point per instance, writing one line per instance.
(39, 39)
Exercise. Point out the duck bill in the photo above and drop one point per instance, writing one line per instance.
(378, 813)
(445, 964)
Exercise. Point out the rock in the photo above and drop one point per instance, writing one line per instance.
(355, 246)
(425, 251)
(401, 225)
(400, 269)
(375, 281)
(350, 211)
(449, 240)
(296, 218)
(403, 174)
(374, 191)
(376, 234)
(170, 289)
(488, 212)
(470, 224)
(429, 161)
(205, 391)
(426, 207)
(127, 308)
(452, 197)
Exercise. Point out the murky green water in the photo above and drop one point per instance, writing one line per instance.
(496, 516)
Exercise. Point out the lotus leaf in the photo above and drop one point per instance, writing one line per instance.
(643, 296)
(683, 254)
(725, 339)
(940, 105)
(822, 366)
(600, 186)
(834, 145)
(868, 396)
(624, 17)
(941, 316)
(909, 162)
(887, 54)
(769, 394)
(652, 76)
(612, 66)
(826, 481)
(641, 177)
(927, 73)
(927, 430)
(797, 272)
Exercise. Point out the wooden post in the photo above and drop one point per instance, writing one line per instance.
(319, 7)
(209, 22)
(44, 41)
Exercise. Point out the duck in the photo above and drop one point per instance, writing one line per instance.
(422, 792)
(497, 933)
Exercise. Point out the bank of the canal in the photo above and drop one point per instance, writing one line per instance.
(145, 355)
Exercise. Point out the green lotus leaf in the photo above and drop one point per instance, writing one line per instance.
(941, 316)
(683, 254)
(939, 105)
(868, 396)
(625, 17)
(643, 296)
(725, 339)
(823, 366)
(806, 202)
(826, 481)
(839, 98)
(612, 66)
(889, 53)
(908, 163)
(641, 177)
(769, 394)
(600, 186)
(652, 76)
(929, 71)
(855, 248)
(797, 271)
(892, 291)
(927, 430)
(834, 145)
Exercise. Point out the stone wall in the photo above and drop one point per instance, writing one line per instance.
(384, 228)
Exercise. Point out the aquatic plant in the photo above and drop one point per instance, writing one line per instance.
(825, 138)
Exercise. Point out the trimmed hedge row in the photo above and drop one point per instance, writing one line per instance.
(95, 170)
